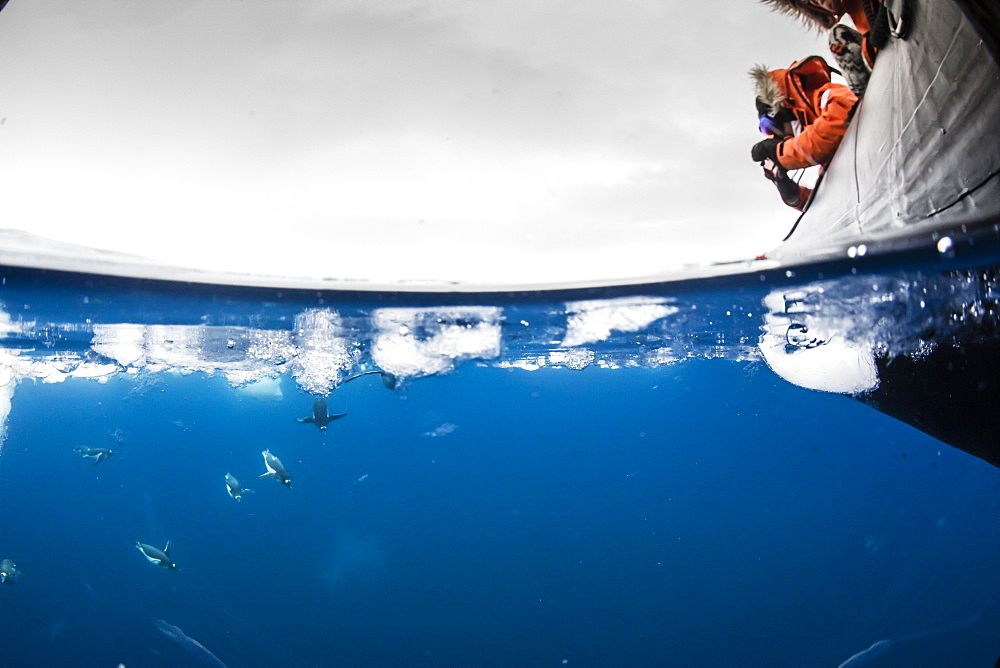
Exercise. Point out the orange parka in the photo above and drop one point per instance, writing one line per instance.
(822, 110)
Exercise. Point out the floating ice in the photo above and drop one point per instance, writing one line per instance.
(573, 359)
(318, 352)
(123, 343)
(662, 357)
(417, 342)
(592, 320)
(822, 336)
(230, 351)
(527, 363)
(264, 389)
(270, 347)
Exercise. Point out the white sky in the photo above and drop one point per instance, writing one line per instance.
(480, 140)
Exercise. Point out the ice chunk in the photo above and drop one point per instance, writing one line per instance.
(590, 321)
(263, 389)
(124, 343)
(573, 359)
(418, 342)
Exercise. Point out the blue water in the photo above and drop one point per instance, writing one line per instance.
(702, 512)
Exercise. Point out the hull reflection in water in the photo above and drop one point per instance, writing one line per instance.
(601, 477)
(923, 349)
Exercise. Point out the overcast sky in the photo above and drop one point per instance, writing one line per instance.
(480, 140)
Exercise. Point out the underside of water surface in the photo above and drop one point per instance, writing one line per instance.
(689, 473)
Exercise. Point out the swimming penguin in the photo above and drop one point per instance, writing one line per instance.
(156, 555)
(235, 489)
(98, 454)
(9, 573)
(275, 469)
(320, 416)
(389, 381)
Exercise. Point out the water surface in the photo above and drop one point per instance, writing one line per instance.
(645, 475)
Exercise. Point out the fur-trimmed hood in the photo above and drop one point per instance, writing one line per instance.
(810, 17)
(768, 88)
(795, 88)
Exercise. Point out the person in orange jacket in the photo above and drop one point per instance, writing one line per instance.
(854, 50)
(805, 116)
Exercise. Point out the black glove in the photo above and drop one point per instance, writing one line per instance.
(879, 35)
(766, 150)
(787, 187)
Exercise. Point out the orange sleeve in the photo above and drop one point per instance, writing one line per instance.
(817, 143)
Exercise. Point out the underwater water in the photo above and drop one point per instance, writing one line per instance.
(640, 475)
